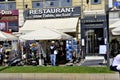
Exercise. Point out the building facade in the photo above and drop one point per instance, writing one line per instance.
(90, 9)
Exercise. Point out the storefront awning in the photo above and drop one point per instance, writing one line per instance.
(114, 25)
(62, 24)
(45, 34)
(116, 31)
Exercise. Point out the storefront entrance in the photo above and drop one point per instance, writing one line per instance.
(94, 34)
(93, 39)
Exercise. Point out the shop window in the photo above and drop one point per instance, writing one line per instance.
(66, 2)
(37, 4)
(13, 26)
(95, 1)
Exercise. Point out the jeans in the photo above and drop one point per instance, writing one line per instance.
(53, 59)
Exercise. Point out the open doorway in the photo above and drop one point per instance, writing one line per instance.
(93, 38)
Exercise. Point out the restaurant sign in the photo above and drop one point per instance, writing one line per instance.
(52, 12)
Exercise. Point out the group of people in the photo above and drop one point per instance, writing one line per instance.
(30, 53)
(49, 53)
(58, 53)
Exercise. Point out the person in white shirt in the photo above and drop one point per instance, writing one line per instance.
(115, 66)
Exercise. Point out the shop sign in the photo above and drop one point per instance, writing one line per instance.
(9, 20)
(91, 21)
(52, 12)
(8, 12)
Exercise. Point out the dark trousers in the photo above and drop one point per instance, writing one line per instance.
(114, 68)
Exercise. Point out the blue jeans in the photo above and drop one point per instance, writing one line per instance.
(53, 59)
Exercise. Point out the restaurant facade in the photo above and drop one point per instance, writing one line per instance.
(85, 20)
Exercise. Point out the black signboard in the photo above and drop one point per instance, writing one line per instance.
(93, 21)
(52, 12)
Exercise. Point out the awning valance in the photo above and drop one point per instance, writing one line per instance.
(62, 24)
(116, 31)
(45, 34)
(114, 25)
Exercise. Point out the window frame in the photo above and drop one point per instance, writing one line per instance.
(56, 3)
(7, 5)
(47, 3)
(34, 4)
(94, 3)
(66, 3)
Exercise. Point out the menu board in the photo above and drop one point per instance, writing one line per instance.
(102, 49)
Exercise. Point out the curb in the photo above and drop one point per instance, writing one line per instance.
(59, 76)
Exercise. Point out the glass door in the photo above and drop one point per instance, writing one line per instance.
(94, 38)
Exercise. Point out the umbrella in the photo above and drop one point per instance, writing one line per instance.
(6, 36)
(45, 34)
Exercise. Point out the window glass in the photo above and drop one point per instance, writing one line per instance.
(51, 3)
(66, 2)
(11, 0)
(11, 6)
(2, 6)
(95, 1)
(7, 0)
(13, 26)
(2, 0)
(37, 4)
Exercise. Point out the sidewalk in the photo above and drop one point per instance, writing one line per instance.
(59, 76)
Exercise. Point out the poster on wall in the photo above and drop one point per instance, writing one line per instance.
(13, 26)
(83, 42)
(2, 26)
(102, 49)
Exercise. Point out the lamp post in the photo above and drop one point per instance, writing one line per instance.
(107, 32)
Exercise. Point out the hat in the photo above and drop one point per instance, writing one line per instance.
(52, 41)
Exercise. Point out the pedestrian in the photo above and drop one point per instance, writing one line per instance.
(2, 50)
(78, 56)
(114, 47)
(115, 66)
(53, 53)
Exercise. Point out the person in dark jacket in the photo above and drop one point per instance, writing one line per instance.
(53, 52)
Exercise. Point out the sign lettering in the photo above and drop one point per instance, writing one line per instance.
(52, 12)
